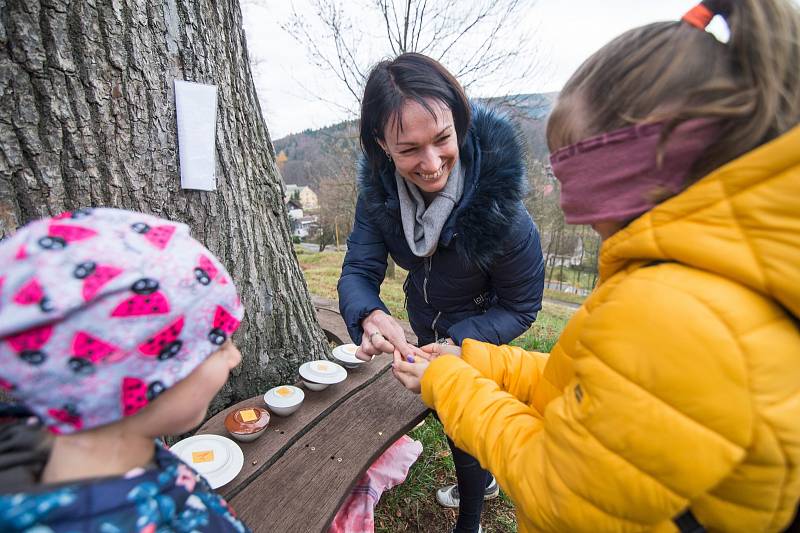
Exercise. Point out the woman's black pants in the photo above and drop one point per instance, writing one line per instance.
(472, 482)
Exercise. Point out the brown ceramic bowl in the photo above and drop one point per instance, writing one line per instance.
(247, 424)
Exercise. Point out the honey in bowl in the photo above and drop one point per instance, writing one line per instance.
(346, 356)
(284, 399)
(350, 349)
(247, 424)
(323, 368)
(284, 392)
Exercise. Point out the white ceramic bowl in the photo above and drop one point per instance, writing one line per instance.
(284, 400)
(346, 355)
(322, 372)
(310, 385)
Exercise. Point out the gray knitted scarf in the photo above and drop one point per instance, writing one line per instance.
(422, 225)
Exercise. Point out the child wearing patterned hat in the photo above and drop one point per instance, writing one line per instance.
(114, 329)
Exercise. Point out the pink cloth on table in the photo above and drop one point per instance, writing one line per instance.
(357, 513)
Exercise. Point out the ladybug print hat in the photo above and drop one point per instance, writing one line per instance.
(102, 310)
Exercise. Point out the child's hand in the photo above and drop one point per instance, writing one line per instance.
(416, 354)
(409, 371)
(435, 349)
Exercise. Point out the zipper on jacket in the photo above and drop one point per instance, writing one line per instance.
(425, 280)
(428, 263)
(405, 292)
(433, 327)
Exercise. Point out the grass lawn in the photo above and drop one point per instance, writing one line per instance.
(411, 506)
(564, 296)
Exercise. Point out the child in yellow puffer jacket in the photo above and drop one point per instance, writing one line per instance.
(672, 398)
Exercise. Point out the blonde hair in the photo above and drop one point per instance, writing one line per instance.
(673, 72)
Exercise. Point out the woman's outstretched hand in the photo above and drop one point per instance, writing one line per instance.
(382, 334)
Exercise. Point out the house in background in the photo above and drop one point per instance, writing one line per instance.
(295, 209)
(295, 212)
(308, 226)
(302, 225)
(302, 193)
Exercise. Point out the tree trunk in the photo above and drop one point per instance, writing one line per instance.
(87, 118)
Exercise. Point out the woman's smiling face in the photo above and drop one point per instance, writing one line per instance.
(425, 148)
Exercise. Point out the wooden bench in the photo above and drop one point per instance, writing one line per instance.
(297, 475)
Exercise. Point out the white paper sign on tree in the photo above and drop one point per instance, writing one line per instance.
(196, 106)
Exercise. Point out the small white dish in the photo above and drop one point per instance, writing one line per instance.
(310, 385)
(284, 400)
(216, 458)
(346, 355)
(322, 372)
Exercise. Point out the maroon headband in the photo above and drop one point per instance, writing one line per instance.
(615, 176)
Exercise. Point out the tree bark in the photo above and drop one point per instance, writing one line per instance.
(87, 118)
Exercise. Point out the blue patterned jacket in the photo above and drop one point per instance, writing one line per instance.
(169, 498)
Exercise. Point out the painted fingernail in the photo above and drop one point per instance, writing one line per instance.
(410, 358)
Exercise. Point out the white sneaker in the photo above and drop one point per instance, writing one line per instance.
(448, 496)
(480, 528)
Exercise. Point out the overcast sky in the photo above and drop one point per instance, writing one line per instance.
(566, 31)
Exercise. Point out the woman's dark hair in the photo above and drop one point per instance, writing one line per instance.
(391, 84)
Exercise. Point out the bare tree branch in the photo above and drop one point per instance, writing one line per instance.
(477, 20)
(416, 29)
(480, 41)
(385, 12)
(406, 23)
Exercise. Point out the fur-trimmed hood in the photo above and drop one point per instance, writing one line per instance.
(492, 157)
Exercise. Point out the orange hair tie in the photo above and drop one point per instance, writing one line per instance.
(699, 16)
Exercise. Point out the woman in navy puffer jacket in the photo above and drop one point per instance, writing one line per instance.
(441, 189)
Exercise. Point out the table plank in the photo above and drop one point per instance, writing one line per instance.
(307, 484)
(283, 432)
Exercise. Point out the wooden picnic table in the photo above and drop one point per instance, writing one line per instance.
(298, 474)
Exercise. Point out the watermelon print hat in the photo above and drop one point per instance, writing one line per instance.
(102, 310)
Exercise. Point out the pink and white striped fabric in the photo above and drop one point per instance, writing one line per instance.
(357, 514)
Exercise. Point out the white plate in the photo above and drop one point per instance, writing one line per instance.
(227, 462)
(322, 372)
(346, 353)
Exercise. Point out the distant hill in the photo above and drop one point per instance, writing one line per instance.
(307, 156)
